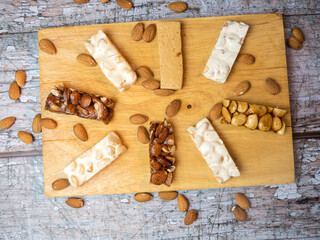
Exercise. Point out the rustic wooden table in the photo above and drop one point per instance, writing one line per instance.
(289, 211)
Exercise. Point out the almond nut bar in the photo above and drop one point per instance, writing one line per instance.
(69, 101)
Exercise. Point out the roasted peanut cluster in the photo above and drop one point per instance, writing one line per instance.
(253, 116)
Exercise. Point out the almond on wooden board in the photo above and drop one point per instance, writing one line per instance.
(168, 195)
(25, 137)
(294, 43)
(242, 201)
(183, 203)
(14, 91)
(48, 123)
(47, 46)
(173, 108)
(239, 213)
(138, 118)
(143, 197)
(190, 217)
(7, 122)
(215, 111)
(75, 202)
(80, 132)
(272, 86)
(297, 33)
(151, 84)
(36, 124)
(125, 4)
(178, 6)
(142, 135)
(163, 92)
(149, 33)
(137, 32)
(86, 59)
(242, 88)
(20, 77)
(145, 73)
(246, 58)
(60, 184)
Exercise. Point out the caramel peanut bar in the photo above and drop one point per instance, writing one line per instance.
(112, 63)
(213, 151)
(253, 116)
(161, 153)
(225, 51)
(69, 101)
(94, 160)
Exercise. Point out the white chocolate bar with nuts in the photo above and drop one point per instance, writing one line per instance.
(94, 160)
(225, 51)
(112, 63)
(213, 151)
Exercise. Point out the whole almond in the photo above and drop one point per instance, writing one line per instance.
(125, 4)
(14, 91)
(173, 108)
(239, 213)
(297, 33)
(60, 184)
(168, 195)
(25, 137)
(104, 1)
(247, 59)
(143, 197)
(178, 6)
(242, 88)
(142, 135)
(86, 59)
(151, 84)
(138, 119)
(163, 92)
(183, 203)
(137, 32)
(47, 46)
(20, 77)
(36, 124)
(215, 111)
(145, 73)
(190, 217)
(150, 33)
(242, 201)
(294, 43)
(7, 122)
(272, 87)
(80, 132)
(48, 123)
(75, 202)
(81, 1)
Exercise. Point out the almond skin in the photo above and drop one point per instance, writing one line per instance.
(75, 202)
(47, 46)
(48, 123)
(294, 43)
(183, 203)
(60, 184)
(163, 92)
(190, 217)
(20, 77)
(86, 59)
(137, 32)
(151, 84)
(272, 87)
(239, 213)
(242, 201)
(178, 6)
(104, 1)
(36, 124)
(25, 137)
(80, 132)
(173, 108)
(7, 122)
(168, 195)
(247, 59)
(138, 119)
(242, 88)
(150, 33)
(297, 33)
(142, 135)
(215, 111)
(125, 4)
(145, 73)
(81, 1)
(14, 91)
(143, 197)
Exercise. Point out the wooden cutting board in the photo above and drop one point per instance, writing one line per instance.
(263, 158)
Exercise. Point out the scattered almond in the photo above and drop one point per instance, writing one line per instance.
(145, 73)
(81, 1)
(80, 132)
(163, 92)
(247, 59)
(104, 1)
(137, 32)
(125, 4)
(173, 108)
(7, 122)
(168, 195)
(60, 184)
(151, 84)
(183, 203)
(20, 77)
(138, 119)
(143, 197)
(272, 87)
(142, 135)
(47, 46)
(242, 201)
(48, 123)
(215, 111)
(242, 88)
(150, 33)
(36, 124)
(178, 6)
(25, 137)
(86, 59)
(297, 33)
(75, 202)
(239, 213)
(294, 43)
(14, 91)
(190, 217)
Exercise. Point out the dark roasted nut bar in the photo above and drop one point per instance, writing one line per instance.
(73, 102)
(161, 153)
